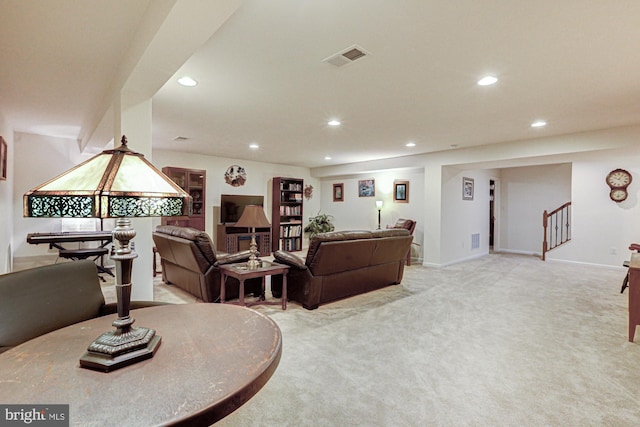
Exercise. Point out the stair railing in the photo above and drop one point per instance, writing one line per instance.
(557, 228)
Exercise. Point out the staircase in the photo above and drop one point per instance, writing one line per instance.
(557, 228)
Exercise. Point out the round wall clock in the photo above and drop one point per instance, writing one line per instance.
(235, 176)
(618, 180)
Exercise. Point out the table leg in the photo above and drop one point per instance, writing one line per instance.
(262, 296)
(241, 291)
(284, 290)
(223, 285)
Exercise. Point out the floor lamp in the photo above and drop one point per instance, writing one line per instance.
(379, 206)
(117, 183)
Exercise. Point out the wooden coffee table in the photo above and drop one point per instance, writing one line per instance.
(212, 359)
(242, 273)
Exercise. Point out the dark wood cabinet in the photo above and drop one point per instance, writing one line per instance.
(232, 239)
(286, 214)
(193, 181)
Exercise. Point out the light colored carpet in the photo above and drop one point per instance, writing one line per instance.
(504, 340)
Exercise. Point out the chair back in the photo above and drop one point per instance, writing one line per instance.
(408, 224)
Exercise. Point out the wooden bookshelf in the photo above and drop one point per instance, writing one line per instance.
(286, 214)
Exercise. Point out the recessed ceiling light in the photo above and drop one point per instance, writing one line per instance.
(453, 146)
(487, 80)
(254, 146)
(327, 157)
(334, 123)
(538, 124)
(410, 144)
(187, 81)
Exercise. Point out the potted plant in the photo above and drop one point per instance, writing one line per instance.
(320, 223)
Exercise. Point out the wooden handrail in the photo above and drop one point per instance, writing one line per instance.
(557, 228)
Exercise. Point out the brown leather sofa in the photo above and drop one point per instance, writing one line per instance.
(410, 225)
(39, 300)
(341, 264)
(190, 262)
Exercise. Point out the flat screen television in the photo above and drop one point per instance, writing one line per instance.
(232, 206)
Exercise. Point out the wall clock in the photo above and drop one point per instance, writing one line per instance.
(618, 180)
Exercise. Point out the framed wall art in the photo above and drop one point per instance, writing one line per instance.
(401, 191)
(338, 192)
(3, 159)
(367, 188)
(467, 188)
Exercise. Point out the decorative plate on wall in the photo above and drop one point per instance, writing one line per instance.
(308, 191)
(235, 176)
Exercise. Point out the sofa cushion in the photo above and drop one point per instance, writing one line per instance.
(39, 300)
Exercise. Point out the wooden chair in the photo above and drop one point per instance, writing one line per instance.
(625, 282)
(410, 225)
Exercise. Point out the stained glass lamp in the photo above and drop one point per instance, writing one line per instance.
(117, 183)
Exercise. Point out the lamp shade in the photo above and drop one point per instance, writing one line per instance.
(379, 204)
(253, 216)
(114, 183)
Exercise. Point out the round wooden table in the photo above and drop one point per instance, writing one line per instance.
(213, 358)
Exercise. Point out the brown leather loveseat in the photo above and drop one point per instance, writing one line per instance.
(341, 264)
(190, 262)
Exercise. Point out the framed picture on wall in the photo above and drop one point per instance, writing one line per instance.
(401, 191)
(338, 192)
(367, 188)
(467, 188)
(3, 159)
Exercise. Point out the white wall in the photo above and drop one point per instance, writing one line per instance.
(37, 160)
(6, 202)
(445, 221)
(461, 218)
(602, 229)
(599, 225)
(360, 213)
(526, 192)
(259, 181)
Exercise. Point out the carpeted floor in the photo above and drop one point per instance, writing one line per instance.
(503, 340)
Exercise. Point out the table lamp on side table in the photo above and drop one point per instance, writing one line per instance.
(117, 183)
(253, 216)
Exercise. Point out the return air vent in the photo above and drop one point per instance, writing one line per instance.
(347, 56)
(475, 241)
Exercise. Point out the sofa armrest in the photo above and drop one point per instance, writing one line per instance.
(289, 259)
(112, 308)
(233, 258)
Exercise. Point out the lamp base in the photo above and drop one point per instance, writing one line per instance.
(117, 349)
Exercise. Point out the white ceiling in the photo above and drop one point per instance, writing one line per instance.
(573, 63)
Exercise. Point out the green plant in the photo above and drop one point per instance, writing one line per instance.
(320, 223)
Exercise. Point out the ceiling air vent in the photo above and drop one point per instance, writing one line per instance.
(346, 56)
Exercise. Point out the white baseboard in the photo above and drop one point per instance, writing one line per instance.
(590, 264)
(458, 261)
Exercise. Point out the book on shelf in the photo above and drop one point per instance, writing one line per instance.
(290, 230)
(290, 210)
(290, 186)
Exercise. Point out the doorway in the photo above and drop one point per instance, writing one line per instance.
(493, 232)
